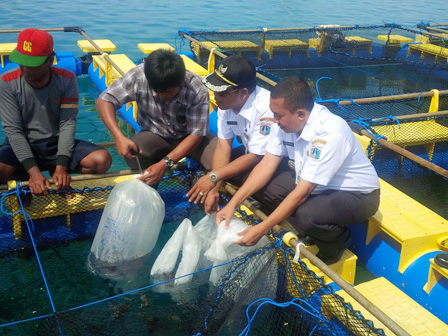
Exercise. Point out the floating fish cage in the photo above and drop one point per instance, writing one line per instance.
(390, 79)
(362, 61)
(343, 64)
(387, 80)
(47, 288)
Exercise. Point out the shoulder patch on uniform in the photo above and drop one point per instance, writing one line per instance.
(265, 126)
(316, 148)
(321, 141)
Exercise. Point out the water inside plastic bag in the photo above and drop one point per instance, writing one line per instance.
(128, 230)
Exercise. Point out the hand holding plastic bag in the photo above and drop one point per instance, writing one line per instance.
(223, 249)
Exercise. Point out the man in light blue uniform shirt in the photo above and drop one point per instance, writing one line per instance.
(333, 184)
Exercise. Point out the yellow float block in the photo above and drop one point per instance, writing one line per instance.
(106, 68)
(148, 48)
(190, 65)
(104, 45)
(315, 43)
(395, 39)
(236, 47)
(44, 207)
(429, 49)
(416, 228)
(344, 267)
(361, 43)
(352, 42)
(288, 45)
(435, 274)
(407, 313)
(427, 133)
(5, 50)
(193, 66)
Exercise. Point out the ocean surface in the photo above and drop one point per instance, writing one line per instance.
(127, 23)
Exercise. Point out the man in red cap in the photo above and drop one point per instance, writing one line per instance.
(38, 110)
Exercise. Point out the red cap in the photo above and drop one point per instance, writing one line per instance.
(33, 47)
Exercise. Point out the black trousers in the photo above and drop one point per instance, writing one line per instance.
(155, 148)
(324, 217)
(239, 179)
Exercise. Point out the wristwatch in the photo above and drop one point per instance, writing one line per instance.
(213, 177)
(169, 162)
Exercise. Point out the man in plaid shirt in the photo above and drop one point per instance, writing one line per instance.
(173, 113)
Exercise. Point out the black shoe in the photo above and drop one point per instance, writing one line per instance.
(336, 254)
(307, 240)
(441, 259)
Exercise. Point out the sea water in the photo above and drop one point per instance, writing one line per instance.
(126, 24)
(131, 22)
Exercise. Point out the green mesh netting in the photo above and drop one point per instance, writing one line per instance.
(368, 74)
(47, 289)
(343, 63)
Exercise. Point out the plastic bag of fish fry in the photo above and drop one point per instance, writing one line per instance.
(184, 239)
(128, 230)
(223, 249)
(182, 255)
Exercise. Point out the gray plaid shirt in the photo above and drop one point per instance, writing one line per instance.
(186, 114)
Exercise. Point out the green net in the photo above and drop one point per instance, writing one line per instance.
(343, 63)
(384, 77)
(47, 288)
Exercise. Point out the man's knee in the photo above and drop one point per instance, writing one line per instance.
(305, 218)
(7, 173)
(206, 151)
(98, 162)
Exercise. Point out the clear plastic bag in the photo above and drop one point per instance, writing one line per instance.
(128, 230)
(182, 249)
(207, 230)
(167, 259)
(191, 249)
(203, 245)
(223, 249)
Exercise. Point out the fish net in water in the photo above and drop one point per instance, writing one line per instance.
(424, 185)
(47, 289)
(343, 63)
(380, 76)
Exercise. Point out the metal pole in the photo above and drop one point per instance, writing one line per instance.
(87, 177)
(19, 30)
(441, 31)
(411, 156)
(391, 98)
(348, 288)
(105, 55)
(413, 116)
(220, 54)
(291, 29)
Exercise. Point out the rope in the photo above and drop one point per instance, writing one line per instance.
(386, 320)
(229, 275)
(27, 217)
(376, 137)
(319, 99)
(311, 311)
